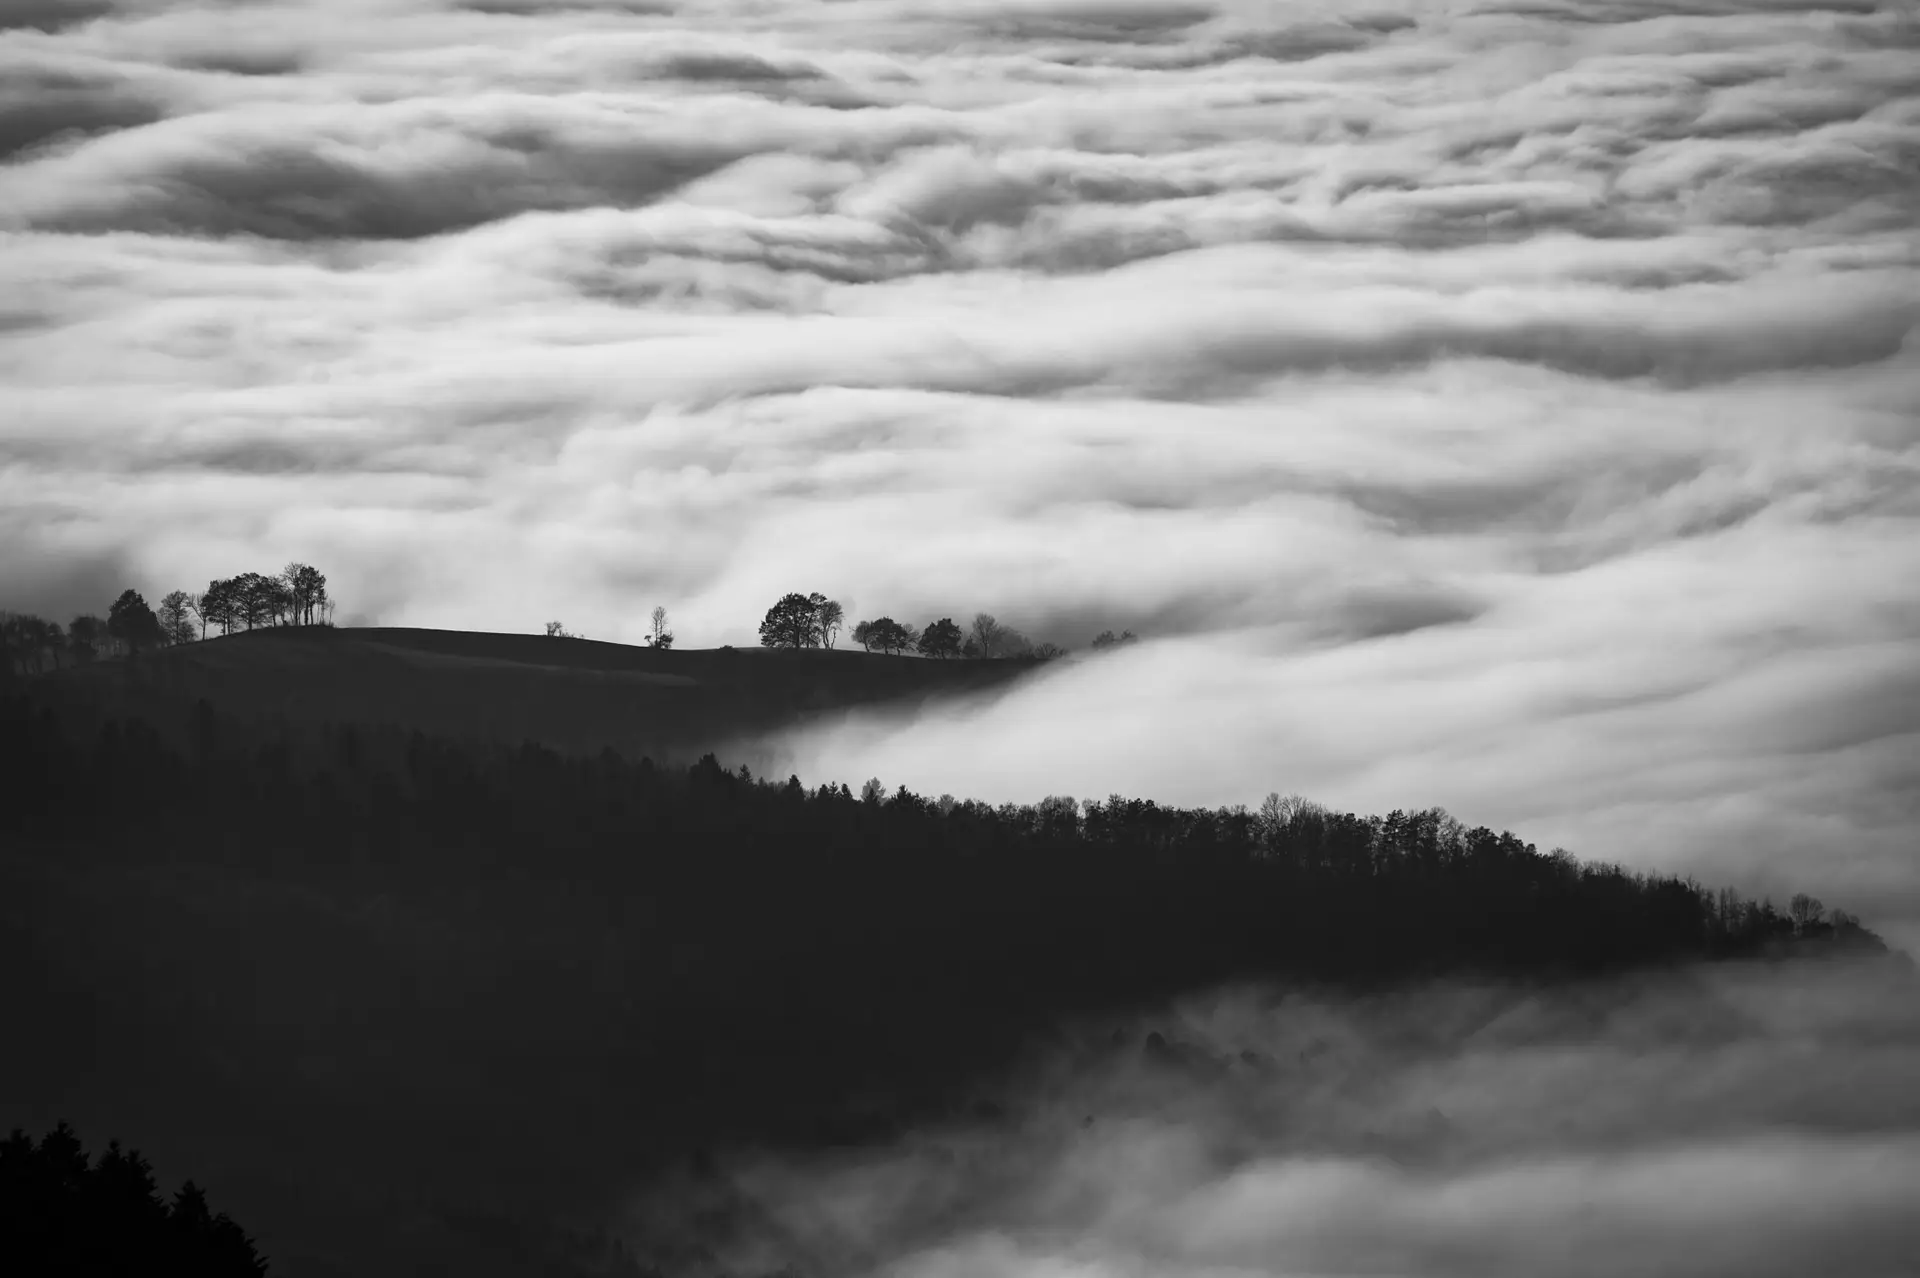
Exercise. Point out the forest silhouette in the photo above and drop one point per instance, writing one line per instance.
(710, 958)
(63, 1213)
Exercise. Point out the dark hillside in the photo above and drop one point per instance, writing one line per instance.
(393, 994)
(568, 694)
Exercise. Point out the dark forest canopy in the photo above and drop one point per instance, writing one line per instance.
(62, 1212)
(694, 954)
(1082, 900)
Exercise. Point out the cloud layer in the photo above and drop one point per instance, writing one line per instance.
(1510, 406)
(1734, 1124)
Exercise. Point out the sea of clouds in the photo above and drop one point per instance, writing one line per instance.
(1512, 406)
(1756, 1123)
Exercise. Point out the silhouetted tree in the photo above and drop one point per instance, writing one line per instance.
(1107, 639)
(219, 605)
(831, 616)
(1806, 911)
(133, 623)
(1049, 652)
(557, 631)
(793, 622)
(658, 636)
(941, 639)
(886, 634)
(306, 591)
(985, 633)
(85, 634)
(58, 1215)
(176, 620)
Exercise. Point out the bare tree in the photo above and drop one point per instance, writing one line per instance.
(985, 634)
(832, 616)
(176, 622)
(657, 628)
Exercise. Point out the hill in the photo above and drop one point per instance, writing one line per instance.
(575, 695)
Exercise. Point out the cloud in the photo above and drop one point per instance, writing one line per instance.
(52, 15)
(1509, 407)
(42, 105)
(1713, 1124)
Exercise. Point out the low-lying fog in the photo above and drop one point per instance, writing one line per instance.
(1742, 1122)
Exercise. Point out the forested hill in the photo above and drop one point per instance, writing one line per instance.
(274, 954)
(568, 693)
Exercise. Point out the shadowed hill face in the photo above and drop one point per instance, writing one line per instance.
(572, 694)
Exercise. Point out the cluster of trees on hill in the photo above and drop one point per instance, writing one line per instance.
(63, 1213)
(296, 596)
(814, 621)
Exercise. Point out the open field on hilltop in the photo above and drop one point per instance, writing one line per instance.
(570, 694)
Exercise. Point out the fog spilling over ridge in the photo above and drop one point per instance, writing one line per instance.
(1512, 407)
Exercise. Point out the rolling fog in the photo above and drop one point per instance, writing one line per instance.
(1739, 1123)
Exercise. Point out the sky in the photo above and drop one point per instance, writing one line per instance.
(1510, 407)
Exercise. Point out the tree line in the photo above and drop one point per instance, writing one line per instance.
(295, 596)
(814, 621)
(62, 1212)
(714, 901)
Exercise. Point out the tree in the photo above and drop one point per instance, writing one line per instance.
(85, 633)
(220, 605)
(176, 623)
(307, 591)
(941, 639)
(886, 634)
(258, 600)
(831, 616)
(791, 623)
(658, 635)
(1805, 911)
(1049, 652)
(557, 631)
(985, 634)
(132, 622)
(1107, 639)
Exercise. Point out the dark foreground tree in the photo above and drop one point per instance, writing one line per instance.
(133, 623)
(306, 592)
(794, 622)
(941, 639)
(885, 634)
(62, 1214)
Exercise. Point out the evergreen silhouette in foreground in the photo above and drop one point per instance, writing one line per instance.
(61, 1214)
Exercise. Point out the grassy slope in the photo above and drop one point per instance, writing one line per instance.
(572, 694)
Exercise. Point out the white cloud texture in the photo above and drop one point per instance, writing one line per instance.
(1508, 406)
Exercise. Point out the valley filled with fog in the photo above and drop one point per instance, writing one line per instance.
(1509, 407)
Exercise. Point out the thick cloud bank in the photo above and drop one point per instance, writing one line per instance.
(1509, 406)
(1732, 1124)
